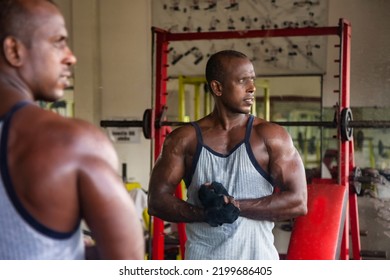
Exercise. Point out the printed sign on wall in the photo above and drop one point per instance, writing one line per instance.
(271, 56)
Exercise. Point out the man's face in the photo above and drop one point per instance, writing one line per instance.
(238, 87)
(46, 69)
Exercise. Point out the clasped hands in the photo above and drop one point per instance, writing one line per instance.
(219, 206)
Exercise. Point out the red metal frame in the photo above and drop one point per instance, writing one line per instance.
(346, 149)
(161, 69)
(346, 159)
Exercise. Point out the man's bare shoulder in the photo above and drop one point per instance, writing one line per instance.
(269, 130)
(76, 137)
(182, 133)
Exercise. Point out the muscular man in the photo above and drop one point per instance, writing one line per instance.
(55, 171)
(247, 155)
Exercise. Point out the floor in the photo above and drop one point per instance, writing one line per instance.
(374, 223)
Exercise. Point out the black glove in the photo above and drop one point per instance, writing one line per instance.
(216, 216)
(212, 199)
(212, 195)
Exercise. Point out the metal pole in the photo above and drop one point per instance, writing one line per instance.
(323, 124)
(161, 87)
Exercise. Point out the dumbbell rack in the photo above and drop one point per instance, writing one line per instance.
(161, 39)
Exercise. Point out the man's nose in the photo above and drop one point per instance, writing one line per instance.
(70, 58)
(251, 85)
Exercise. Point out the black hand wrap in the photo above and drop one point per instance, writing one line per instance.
(217, 212)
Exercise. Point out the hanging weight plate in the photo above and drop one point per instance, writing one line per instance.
(345, 130)
(147, 123)
(355, 176)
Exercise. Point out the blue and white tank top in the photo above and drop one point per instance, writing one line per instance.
(21, 236)
(243, 177)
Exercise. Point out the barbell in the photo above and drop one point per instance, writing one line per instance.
(344, 122)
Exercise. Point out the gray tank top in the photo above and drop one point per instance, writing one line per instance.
(242, 176)
(21, 236)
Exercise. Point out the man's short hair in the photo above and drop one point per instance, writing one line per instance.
(215, 67)
(16, 20)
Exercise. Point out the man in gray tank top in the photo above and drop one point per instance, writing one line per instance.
(247, 155)
(54, 171)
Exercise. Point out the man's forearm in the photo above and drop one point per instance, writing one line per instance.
(275, 207)
(176, 210)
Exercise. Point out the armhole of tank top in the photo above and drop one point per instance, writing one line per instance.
(9, 186)
(250, 152)
(199, 144)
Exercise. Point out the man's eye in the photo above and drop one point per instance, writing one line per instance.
(246, 80)
(60, 43)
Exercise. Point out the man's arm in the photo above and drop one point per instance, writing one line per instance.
(288, 173)
(167, 173)
(105, 204)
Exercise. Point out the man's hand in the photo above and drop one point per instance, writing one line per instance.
(219, 206)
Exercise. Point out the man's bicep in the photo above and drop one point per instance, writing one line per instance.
(169, 168)
(294, 169)
(109, 211)
(285, 163)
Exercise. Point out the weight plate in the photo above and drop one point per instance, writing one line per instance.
(147, 123)
(355, 175)
(346, 131)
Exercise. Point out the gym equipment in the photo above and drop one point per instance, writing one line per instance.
(349, 217)
(344, 122)
(326, 210)
(266, 93)
(196, 82)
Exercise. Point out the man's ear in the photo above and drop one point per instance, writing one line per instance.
(216, 87)
(13, 51)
